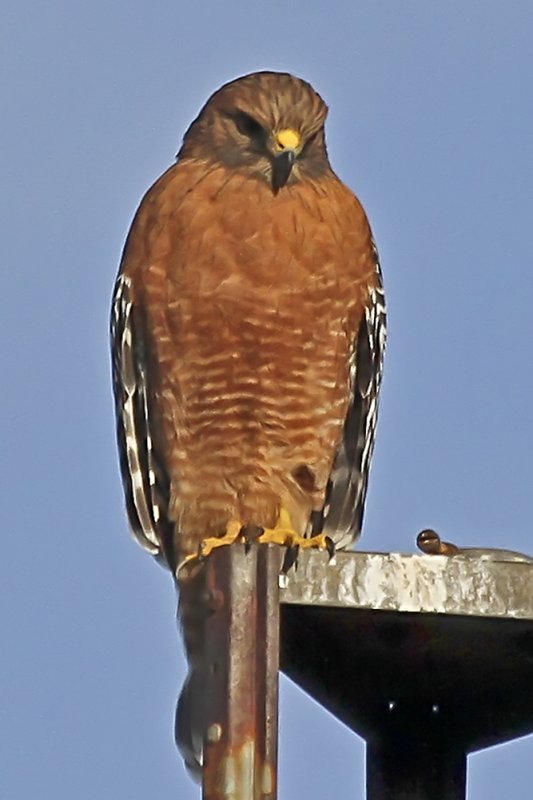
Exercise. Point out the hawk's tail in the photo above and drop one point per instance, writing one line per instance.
(190, 711)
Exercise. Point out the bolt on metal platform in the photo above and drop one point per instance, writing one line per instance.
(428, 658)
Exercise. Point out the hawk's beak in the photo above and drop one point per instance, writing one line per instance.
(281, 168)
(287, 143)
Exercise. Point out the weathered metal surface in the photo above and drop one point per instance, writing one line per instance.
(484, 586)
(242, 657)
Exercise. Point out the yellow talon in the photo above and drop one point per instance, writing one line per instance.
(285, 535)
(233, 534)
(289, 538)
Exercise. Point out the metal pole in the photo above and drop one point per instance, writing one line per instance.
(242, 661)
(415, 757)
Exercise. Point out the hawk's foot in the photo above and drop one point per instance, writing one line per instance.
(289, 538)
(285, 535)
(233, 534)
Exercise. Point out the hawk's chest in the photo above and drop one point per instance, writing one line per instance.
(282, 250)
(288, 264)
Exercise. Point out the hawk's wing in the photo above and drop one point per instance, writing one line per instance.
(145, 482)
(346, 493)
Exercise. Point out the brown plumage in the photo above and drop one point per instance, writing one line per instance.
(248, 333)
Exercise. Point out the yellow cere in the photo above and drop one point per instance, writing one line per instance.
(288, 139)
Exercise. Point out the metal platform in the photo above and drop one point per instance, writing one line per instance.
(427, 657)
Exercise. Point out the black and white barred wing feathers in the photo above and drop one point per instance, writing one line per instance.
(346, 494)
(145, 483)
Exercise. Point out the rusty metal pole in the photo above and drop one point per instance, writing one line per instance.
(242, 661)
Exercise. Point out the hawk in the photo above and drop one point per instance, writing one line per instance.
(248, 334)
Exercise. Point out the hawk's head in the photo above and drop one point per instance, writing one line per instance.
(269, 125)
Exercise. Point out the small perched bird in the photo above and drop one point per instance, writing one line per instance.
(248, 334)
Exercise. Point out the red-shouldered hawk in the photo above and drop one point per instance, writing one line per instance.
(248, 330)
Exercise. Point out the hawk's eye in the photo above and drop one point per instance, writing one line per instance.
(248, 125)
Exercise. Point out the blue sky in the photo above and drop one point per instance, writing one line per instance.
(430, 124)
